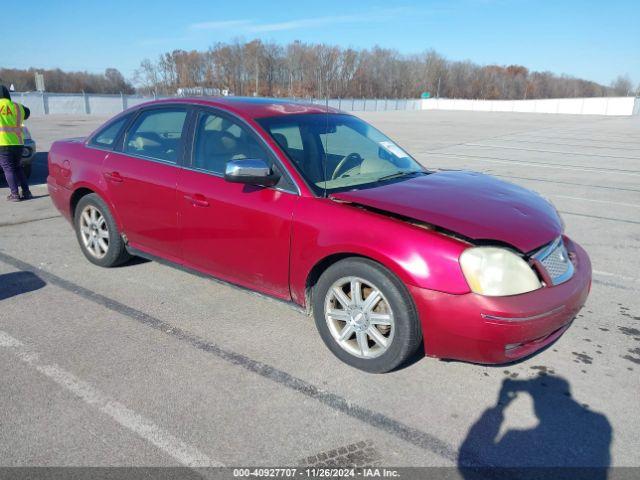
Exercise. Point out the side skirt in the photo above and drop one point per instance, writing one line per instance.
(140, 253)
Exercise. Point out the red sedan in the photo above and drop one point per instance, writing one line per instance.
(316, 207)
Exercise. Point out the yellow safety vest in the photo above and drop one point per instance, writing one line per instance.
(11, 115)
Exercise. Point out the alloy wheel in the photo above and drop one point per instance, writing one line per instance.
(94, 231)
(359, 317)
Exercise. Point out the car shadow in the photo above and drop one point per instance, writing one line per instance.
(39, 169)
(35, 197)
(570, 440)
(17, 283)
(133, 261)
(414, 358)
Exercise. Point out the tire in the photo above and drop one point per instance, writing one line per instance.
(395, 341)
(97, 234)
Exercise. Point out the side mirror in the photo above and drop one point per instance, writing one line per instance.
(252, 171)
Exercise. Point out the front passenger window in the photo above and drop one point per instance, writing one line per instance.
(219, 140)
(157, 134)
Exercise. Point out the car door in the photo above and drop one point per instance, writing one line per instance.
(142, 179)
(237, 232)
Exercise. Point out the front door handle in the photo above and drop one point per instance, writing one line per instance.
(197, 200)
(113, 176)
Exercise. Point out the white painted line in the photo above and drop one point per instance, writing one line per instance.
(602, 171)
(186, 454)
(623, 157)
(615, 275)
(579, 145)
(622, 204)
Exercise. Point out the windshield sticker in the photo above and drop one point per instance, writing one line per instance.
(394, 149)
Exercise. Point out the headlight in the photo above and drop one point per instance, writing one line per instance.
(497, 272)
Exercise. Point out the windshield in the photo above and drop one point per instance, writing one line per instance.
(338, 151)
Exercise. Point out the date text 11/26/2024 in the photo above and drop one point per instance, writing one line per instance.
(316, 472)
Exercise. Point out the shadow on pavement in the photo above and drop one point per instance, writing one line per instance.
(39, 169)
(16, 283)
(568, 435)
(133, 261)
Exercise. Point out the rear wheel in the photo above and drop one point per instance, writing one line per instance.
(365, 315)
(98, 234)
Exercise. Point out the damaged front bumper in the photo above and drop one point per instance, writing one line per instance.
(482, 329)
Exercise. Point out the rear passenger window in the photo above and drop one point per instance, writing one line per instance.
(106, 138)
(157, 134)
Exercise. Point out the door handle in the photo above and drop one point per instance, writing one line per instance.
(197, 200)
(113, 176)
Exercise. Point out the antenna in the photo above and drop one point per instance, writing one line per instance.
(326, 136)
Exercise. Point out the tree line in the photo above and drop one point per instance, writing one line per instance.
(318, 70)
(56, 80)
(304, 70)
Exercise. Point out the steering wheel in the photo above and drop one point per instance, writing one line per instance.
(353, 156)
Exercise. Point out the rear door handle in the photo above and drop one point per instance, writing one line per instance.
(197, 200)
(113, 176)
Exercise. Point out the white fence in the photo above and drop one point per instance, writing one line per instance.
(94, 104)
(105, 105)
(77, 103)
(370, 104)
(572, 106)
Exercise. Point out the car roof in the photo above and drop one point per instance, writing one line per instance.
(250, 107)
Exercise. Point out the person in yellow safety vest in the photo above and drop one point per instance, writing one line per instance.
(12, 115)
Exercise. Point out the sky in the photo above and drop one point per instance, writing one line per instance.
(595, 40)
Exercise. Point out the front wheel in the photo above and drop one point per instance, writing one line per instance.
(98, 233)
(365, 315)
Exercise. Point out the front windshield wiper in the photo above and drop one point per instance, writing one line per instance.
(400, 175)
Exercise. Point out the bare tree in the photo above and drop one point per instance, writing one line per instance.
(112, 81)
(317, 70)
(622, 86)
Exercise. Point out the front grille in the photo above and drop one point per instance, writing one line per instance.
(555, 260)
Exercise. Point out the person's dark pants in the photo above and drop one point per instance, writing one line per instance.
(10, 162)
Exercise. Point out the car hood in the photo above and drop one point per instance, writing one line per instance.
(476, 206)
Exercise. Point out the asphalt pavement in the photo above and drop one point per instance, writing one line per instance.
(147, 365)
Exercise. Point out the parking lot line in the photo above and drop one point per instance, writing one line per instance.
(418, 438)
(580, 154)
(559, 182)
(184, 453)
(577, 145)
(564, 212)
(612, 171)
(582, 199)
(621, 277)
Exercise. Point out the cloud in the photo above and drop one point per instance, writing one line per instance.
(248, 27)
(251, 26)
(220, 25)
(318, 22)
